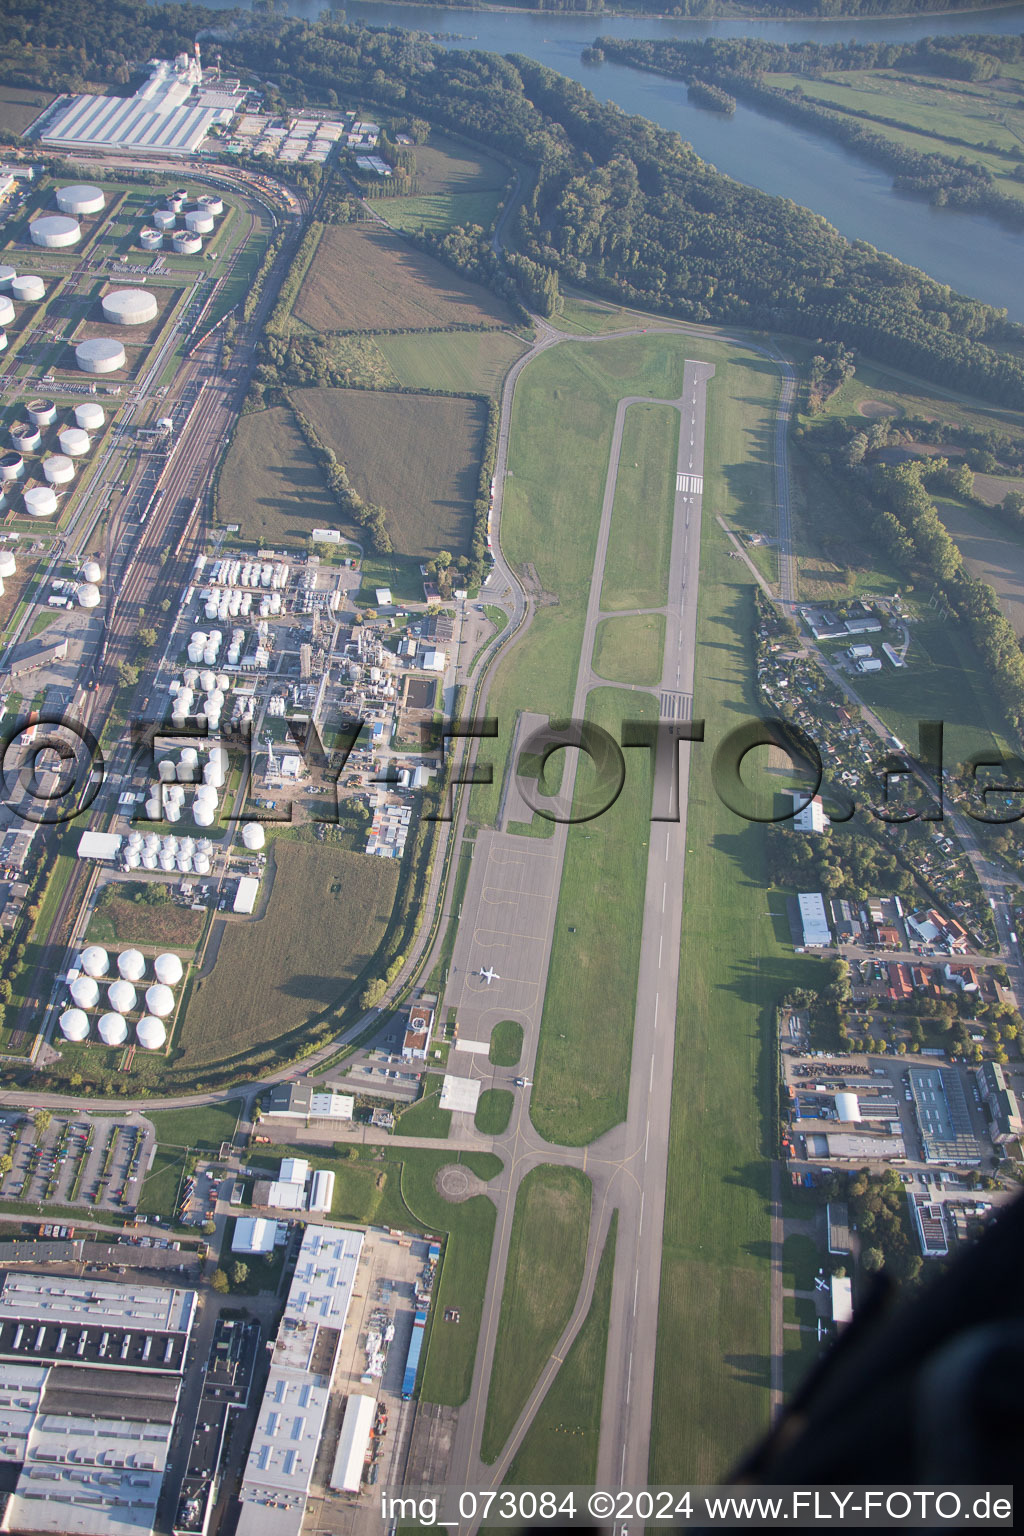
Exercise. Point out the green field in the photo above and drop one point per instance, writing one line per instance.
(429, 489)
(205, 1125)
(468, 362)
(543, 1275)
(327, 914)
(559, 446)
(20, 106)
(159, 1193)
(443, 210)
(560, 1445)
(711, 1376)
(506, 1044)
(640, 543)
(630, 649)
(590, 1002)
(270, 484)
(494, 1111)
(118, 919)
(454, 185)
(426, 1117)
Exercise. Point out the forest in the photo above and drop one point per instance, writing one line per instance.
(617, 204)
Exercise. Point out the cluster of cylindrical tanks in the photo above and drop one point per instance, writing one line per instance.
(122, 996)
(58, 468)
(199, 219)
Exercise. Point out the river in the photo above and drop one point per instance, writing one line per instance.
(972, 253)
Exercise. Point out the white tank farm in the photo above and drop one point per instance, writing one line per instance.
(253, 835)
(88, 595)
(41, 413)
(74, 441)
(129, 306)
(74, 1025)
(160, 1000)
(121, 995)
(92, 571)
(89, 416)
(95, 961)
(150, 239)
(28, 290)
(25, 437)
(186, 244)
(80, 199)
(40, 501)
(7, 276)
(8, 564)
(211, 204)
(168, 969)
(6, 310)
(150, 1033)
(99, 355)
(12, 467)
(199, 222)
(113, 1029)
(58, 469)
(84, 992)
(164, 218)
(55, 230)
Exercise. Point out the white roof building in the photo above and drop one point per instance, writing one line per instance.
(333, 1106)
(100, 845)
(325, 1276)
(842, 1299)
(812, 916)
(321, 1193)
(347, 1472)
(245, 896)
(160, 116)
(294, 1170)
(812, 817)
(253, 1234)
(286, 1196)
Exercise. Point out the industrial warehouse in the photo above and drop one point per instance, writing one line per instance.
(166, 114)
(89, 1431)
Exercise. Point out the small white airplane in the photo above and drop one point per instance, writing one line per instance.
(489, 975)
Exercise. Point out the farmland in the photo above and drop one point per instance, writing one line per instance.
(454, 185)
(993, 552)
(365, 278)
(20, 106)
(546, 1254)
(474, 361)
(427, 489)
(327, 914)
(270, 484)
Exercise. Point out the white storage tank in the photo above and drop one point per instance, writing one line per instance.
(7, 276)
(80, 199)
(92, 571)
(8, 564)
(88, 595)
(131, 859)
(100, 355)
(6, 310)
(121, 995)
(149, 861)
(40, 501)
(164, 218)
(253, 835)
(74, 441)
(186, 244)
(74, 1025)
(211, 204)
(95, 961)
(168, 969)
(160, 1000)
(129, 306)
(166, 771)
(12, 467)
(41, 413)
(201, 863)
(131, 963)
(58, 469)
(199, 222)
(177, 199)
(151, 1034)
(28, 290)
(150, 239)
(84, 992)
(55, 230)
(89, 416)
(3, 341)
(113, 1029)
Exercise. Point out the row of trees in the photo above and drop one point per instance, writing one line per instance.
(366, 513)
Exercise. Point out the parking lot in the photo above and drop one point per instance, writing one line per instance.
(74, 1161)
